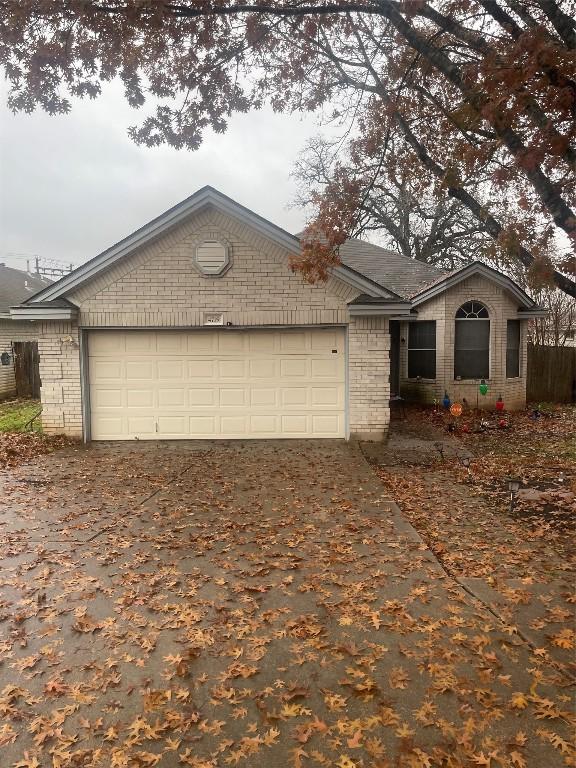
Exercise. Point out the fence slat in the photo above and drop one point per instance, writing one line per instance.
(551, 374)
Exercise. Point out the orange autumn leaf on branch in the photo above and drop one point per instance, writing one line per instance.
(469, 105)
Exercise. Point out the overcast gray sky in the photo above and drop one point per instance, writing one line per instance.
(74, 184)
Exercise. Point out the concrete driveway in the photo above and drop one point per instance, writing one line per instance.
(252, 604)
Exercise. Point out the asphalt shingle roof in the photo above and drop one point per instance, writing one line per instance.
(17, 286)
(390, 269)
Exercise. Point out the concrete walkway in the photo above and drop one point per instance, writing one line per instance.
(253, 604)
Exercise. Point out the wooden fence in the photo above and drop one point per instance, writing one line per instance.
(26, 368)
(551, 374)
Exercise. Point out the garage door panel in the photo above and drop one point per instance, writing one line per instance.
(263, 396)
(294, 341)
(233, 425)
(263, 424)
(140, 370)
(142, 425)
(139, 398)
(265, 343)
(231, 343)
(295, 424)
(107, 398)
(202, 397)
(231, 369)
(202, 369)
(326, 340)
(294, 367)
(295, 396)
(232, 397)
(107, 343)
(172, 370)
(173, 343)
(109, 428)
(138, 342)
(217, 384)
(202, 425)
(263, 369)
(171, 397)
(325, 367)
(325, 396)
(325, 425)
(201, 342)
(106, 369)
(173, 425)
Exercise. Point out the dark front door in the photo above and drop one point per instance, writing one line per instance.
(394, 357)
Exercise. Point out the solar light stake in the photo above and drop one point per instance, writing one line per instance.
(513, 488)
(465, 461)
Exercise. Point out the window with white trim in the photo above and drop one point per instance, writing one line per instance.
(422, 349)
(512, 349)
(472, 342)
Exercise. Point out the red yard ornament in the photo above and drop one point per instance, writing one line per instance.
(500, 404)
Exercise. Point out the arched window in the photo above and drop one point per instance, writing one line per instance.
(472, 342)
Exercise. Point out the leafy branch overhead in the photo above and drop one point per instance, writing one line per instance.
(472, 99)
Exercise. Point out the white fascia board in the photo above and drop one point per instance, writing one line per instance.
(466, 272)
(173, 217)
(30, 312)
(379, 309)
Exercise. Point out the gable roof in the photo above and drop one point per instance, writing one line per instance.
(17, 286)
(381, 276)
(173, 216)
(450, 279)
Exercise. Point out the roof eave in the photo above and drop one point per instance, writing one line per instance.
(395, 308)
(535, 312)
(30, 312)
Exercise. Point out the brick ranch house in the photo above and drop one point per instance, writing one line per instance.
(194, 326)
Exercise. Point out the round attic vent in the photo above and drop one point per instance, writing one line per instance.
(212, 257)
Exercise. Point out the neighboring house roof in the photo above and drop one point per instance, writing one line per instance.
(17, 286)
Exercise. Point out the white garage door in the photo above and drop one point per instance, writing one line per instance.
(156, 385)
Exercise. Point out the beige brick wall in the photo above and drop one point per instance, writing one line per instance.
(60, 375)
(10, 331)
(159, 285)
(369, 384)
(501, 307)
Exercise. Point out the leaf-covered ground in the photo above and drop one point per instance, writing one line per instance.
(19, 443)
(257, 604)
(464, 513)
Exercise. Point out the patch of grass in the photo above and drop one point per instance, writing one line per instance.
(15, 414)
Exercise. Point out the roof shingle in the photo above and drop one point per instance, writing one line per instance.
(16, 286)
